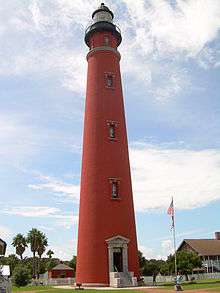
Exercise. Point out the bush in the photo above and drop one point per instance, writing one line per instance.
(21, 276)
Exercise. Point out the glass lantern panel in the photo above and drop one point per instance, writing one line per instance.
(102, 16)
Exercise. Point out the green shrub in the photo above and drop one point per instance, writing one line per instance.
(21, 276)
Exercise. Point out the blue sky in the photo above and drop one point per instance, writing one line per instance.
(170, 69)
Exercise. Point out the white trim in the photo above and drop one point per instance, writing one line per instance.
(120, 242)
(118, 238)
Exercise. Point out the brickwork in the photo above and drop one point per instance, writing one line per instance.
(102, 216)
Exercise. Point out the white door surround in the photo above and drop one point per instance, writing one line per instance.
(115, 243)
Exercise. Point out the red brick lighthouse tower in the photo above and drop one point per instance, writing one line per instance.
(107, 244)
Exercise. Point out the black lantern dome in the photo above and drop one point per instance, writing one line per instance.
(102, 21)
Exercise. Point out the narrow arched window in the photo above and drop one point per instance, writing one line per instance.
(115, 189)
(112, 131)
(114, 184)
(112, 125)
(109, 80)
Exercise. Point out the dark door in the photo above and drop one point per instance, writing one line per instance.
(117, 260)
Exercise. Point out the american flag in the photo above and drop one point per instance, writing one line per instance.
(170, 210)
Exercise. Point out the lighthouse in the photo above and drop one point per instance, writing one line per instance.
(107, 253)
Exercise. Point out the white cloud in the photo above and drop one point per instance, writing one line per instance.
(147, 252)
(171, 84)
(48, 37)
(58, 187)
(161, 38)
(66, 221)
(19, 140)
(31, 211)
(167, 248)
(61, 219)
(186, 26)
(15, 137)
(65, 249)
(46, 228)
(5, 232)
(192, 177)
(43, 35)
(209, 58)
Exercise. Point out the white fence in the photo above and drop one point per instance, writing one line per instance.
(206, 276)
(57, 281)
(167, 279)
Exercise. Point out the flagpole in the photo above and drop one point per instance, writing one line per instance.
(174, 239)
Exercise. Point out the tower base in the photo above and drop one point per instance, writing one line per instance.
(94, 285)
(122, 279)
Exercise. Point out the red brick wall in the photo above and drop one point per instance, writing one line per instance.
(102, 217)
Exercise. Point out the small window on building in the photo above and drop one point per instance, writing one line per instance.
(112, 131)
(115, 189)
(109, 80)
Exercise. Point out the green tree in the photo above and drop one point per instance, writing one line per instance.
(164, 269)
(52, 263)
(42, 244)
(50, 253)
(142, 261)
(186, 262)
(41, 249)
(34, 238)
(12, 260)
(152, 267)
(21, 275)
(72, 263)
(19, 242)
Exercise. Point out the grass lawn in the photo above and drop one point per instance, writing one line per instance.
(211, 285)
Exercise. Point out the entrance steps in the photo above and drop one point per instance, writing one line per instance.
(122, 279)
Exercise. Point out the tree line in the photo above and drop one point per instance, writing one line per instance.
(187, 261)
(37, 242)
(24, 268)
(27, 268)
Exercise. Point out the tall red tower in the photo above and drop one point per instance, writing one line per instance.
(107, 244)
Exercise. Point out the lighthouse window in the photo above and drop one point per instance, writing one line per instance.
(114, 189)
(114, 183)
(112, 131)
(109, 80)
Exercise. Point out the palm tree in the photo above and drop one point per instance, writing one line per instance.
(34, 239)
(41, 248)
(20, 243)
(50, 253)
(42, 244)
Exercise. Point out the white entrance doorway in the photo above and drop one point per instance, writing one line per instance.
(118, 254)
